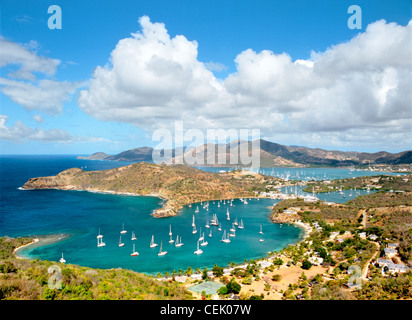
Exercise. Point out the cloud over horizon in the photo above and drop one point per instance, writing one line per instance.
(362, 85)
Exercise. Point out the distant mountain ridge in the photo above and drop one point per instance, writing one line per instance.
(271, 154)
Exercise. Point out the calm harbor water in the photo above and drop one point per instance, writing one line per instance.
(82, 214)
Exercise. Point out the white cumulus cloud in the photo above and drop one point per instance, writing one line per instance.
(359, 87)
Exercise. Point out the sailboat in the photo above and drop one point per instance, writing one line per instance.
(170, 230)
(152, 243)
(220, 227)
(204, 243)
(227, 214)
(224, 238)
(261, 232)
(100, 242)
(134, 253)
(121, 244)
(178, 243)
(233, 228)
(194, 230)
(123, 231)
(210, 233)
(133, 236)
(161, 253)
(197, 209)
(193, 222)
(201, 236)
(171, 239)
(240, 226)
(235, 223)
(62, 259)
(198, 251)
(207, 224)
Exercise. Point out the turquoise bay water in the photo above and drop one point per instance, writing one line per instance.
(81, 214)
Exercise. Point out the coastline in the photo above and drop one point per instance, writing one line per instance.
(307, 229)
(39, 241)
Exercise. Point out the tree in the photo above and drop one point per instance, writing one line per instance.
(306, 264)
(233, 286)
(217, 271)
(204, 273)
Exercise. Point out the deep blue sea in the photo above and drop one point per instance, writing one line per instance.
(82, 214)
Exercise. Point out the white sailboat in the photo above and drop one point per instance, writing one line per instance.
(193, 222)
(204, 243)
(227, 214)
(134, 252)
(224, 238)
(210, 233)
(100, 242)
(133, 236)
(178, 242)
(62, 259)
(152, 243)
(261, 232)
(207, 224)
(121, 244)
(194, 230)
(171, 239)
(170, 230)
(197, 209)
(198, 251)
(201, 236)
(123, 230)
(161, 253)
(241, 226)
(233, 228)
(235, 223)
(220, 227)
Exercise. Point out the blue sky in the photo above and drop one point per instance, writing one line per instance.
(224, 31)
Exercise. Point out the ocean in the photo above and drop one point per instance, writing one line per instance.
(81, 215)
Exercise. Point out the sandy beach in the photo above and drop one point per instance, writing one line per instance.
(38, 241)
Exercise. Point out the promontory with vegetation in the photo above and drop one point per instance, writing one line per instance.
(178, 184)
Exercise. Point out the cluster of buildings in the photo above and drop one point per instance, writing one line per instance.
(386, 262)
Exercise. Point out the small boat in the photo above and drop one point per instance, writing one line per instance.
(62, 259)
(193, 222)
(240, 226)
(204, 243)
(197, 209)
(261, 240)
(194, 230)
(134, 253)
(133, 236)
(152, 243)
(100, 242)
(210, 233)
(207, 224)
(227, 214)
(235, 223)
(171, 239)
(224, 238)
(123, 231)
(220, 227)
(201, 235)
(161, 253)
(198, 251)
(170, 230)
(121, 244)
(178, 242)
(232, 229)
(261, 232)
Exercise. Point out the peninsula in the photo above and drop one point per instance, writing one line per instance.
(179, 185)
